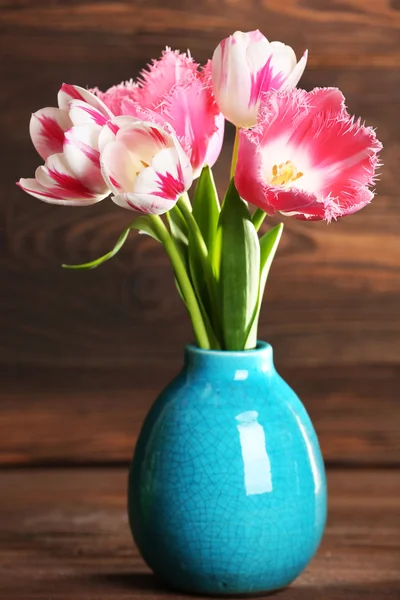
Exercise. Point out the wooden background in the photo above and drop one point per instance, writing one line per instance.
(83, 355)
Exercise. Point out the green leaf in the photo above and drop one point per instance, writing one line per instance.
(237, 262)
(178, 226)
(200, 289)
(268, 247)
(201, 274)
(206, 207)
(141, 224)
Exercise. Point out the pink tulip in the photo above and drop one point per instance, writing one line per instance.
(307, 157)
(143, 165)
(244, 66)
(176, 91)
(67, 139)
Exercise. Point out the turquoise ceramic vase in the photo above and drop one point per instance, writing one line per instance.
(227, 491)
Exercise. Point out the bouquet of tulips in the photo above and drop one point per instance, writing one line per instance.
(145, 142)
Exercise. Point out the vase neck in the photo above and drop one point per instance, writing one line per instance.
(258, 359)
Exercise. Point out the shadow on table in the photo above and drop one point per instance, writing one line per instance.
(148, 586)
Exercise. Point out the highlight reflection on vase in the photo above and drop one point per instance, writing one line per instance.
(257, 466)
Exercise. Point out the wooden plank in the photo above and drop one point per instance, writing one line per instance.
(65, 535)
(348, 34)
(64, 416)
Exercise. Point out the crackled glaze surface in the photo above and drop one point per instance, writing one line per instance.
(227, 491)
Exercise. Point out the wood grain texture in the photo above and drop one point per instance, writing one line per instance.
(65, 535)
(332, 302)
(345, 33)
(68, 416)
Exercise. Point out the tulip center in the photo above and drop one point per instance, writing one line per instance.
(285, 174)
(144, 164)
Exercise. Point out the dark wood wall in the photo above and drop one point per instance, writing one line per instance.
(82, 355)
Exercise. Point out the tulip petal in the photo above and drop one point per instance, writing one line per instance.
(57, 184)
(232, 82)
(83, 157)
(70, 92)
(114, 97)
(294, 77)
(46, 128)
(346, 154)
(53, 196)
(143, 139)
(144, 203)
(214, 144)
(32, 187)
(353, 200)
(191, 111)
(164, 178)
(161, 76)
(300, 204)
(109, 132)
(284, 57)
(81, 112)
(118, 167)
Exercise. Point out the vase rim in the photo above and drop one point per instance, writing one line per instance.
(260, 348)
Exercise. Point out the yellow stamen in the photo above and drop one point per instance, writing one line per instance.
(145, 165)
(285, 173)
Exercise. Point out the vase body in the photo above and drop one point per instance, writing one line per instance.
(227, 491)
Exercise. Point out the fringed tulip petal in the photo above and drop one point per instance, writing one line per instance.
(244, 67)
(115, 96)
(161, 75)
(175, 91)
(191, 110)
(215, 143)
(46, 128)
(307, 157)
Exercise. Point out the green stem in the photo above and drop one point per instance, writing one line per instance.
(184, 282)
(258, 218)
(195, 231)
(202, 251)
(235, 152)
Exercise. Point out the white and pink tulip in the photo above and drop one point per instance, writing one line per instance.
(67, 139)
(144, 165)
(246, 65)
(307, 157)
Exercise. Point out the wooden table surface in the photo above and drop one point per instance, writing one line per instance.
(65, 536)
(83, 355)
